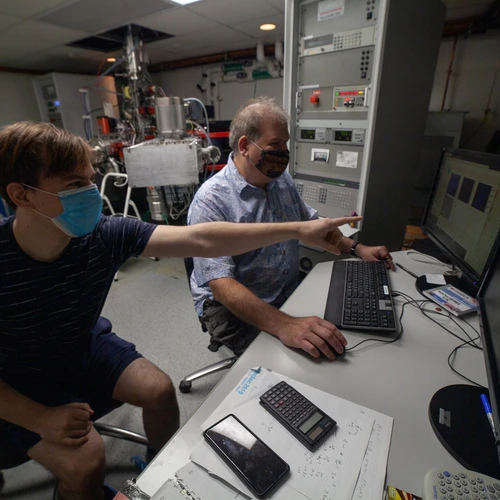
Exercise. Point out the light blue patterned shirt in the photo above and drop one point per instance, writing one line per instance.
(271, 273)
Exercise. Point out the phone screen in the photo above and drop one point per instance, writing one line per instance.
(261, 467)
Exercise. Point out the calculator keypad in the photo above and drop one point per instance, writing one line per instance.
(290, 404)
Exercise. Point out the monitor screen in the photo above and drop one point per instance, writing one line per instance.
(489, 310)
(463, 214)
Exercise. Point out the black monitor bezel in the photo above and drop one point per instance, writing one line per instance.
(491, 362)
(493, 162)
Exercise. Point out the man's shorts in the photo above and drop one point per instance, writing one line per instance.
(90, 379)
(227, 329)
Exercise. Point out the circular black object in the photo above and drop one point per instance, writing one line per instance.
(185, 387)
(458, 418)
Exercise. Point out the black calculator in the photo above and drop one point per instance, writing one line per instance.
(304, 420)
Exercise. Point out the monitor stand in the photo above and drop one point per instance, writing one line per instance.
(462, 284)
(458, 418)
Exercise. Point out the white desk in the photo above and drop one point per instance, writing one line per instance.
(396, 379)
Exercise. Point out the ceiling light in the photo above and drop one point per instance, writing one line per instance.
(111, 59)
(185, 2)
(267, 27)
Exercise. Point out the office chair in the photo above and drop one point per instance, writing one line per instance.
(186, 382)
(10, 457)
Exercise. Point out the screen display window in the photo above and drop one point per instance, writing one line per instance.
(464, 212)
(311, 422)
(343, 135)
(308, 134)
(481, 197)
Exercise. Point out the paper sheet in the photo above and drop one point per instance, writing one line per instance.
(331, 472)
(330, 8)
(371, 481)
(347, 159)
(435, 279)
(212, 489)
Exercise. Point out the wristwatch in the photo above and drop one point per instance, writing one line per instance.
(352, 251)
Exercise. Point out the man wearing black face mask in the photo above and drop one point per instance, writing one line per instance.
(237, 297)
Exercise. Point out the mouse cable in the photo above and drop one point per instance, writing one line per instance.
(470, 343)
(426, 261)
(453, 353)
(398, 336)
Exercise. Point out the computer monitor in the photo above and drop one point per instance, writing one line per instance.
(463, 215)
(457, 414)
(489, 319)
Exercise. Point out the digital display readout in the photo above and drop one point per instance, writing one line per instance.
(343, 135)
(311, 422)
(308, 134)
(349, 92)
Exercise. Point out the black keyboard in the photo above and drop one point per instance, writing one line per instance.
(367, 297)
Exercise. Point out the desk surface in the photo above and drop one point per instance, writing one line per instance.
(396, 379)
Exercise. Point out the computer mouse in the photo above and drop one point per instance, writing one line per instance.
(338, 355)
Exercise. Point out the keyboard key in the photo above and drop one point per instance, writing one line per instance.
(367, 301)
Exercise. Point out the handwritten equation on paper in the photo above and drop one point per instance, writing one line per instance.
(370, 485)
(331, 471)
(371, 481)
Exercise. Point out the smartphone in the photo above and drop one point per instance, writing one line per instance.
(260, 468)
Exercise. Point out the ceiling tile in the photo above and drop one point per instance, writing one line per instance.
(180, 21)
(201, 39)
(278, 4)
(76, 54)
(29, 8)
(252, 27)
(6, 21)
(97, 15)
(8, 54)
(233, 11)
(215, 36)
(37, 36)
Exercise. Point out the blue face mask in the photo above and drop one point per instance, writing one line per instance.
(82, 209)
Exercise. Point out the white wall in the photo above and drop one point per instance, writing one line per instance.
(477, 60)
(182, 83)
(476, 75)
(18, 101)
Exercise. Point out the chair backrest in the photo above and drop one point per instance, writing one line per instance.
(189, 267)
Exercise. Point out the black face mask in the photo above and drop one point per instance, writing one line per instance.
(272, 163)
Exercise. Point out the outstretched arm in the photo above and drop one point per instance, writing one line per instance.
(215, 239)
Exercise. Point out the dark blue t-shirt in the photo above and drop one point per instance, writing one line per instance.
(47, 310)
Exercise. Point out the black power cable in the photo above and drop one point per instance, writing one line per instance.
(420, 304)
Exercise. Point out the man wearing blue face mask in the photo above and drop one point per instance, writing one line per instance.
(61, 366)
(238, 296)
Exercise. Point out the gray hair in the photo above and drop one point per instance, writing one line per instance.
(249, 117)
